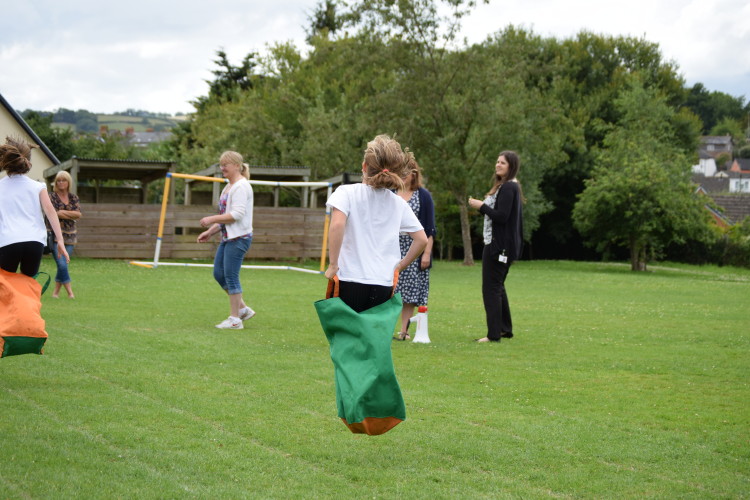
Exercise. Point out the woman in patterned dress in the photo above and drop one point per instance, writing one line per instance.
(414, 281)
(68, 208)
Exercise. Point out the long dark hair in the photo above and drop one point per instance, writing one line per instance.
(514, 164)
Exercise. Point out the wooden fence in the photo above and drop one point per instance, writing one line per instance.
(128, 231)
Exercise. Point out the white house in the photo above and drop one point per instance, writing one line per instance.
(706, 165)
(739, 176)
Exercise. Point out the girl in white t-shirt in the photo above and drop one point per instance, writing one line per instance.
(23, 204)
(366, 219)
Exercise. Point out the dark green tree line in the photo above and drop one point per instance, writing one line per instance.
(383, 66)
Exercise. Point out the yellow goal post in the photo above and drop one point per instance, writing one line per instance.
(165, 201)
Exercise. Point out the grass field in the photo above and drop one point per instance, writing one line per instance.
(617, 385)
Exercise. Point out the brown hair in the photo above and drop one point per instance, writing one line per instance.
(514, 163)
(235, 158)
(15, 156)
(412, 167)
(384, 163)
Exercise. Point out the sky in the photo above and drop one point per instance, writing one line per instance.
(156, 55)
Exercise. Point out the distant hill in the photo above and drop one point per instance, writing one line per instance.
(139, 123)
(135, 120)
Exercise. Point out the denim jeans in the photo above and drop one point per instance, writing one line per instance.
(227, 263)
(62, 275)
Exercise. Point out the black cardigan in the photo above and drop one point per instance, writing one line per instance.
(426, 213)
(507, 222)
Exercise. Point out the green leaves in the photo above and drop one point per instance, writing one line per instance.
(640, 195)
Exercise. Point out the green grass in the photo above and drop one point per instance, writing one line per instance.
(617, 385)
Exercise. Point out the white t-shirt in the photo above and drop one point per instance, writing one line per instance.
(370, 252)
(21, 215)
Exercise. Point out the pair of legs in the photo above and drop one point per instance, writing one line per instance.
(227, 264)
(495, 298)
(26, 254)
(62, 278)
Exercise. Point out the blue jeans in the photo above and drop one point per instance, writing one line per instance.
(227, 263)
(62, 275)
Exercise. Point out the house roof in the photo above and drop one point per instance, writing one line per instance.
(716, 139)
(712, 184)
(105, 169)
(740, 165)
(29, 130)
(735, 206)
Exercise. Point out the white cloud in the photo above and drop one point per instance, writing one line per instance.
(156, 55)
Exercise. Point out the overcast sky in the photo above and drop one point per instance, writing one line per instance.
(156, 55)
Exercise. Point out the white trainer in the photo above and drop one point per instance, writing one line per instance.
(246, 313)
(231, 323)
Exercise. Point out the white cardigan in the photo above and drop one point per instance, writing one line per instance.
(240, 206)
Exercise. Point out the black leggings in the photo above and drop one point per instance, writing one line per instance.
(361, 297)
(27, 254)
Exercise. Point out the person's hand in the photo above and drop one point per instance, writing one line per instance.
(207, 221)
(331, 271)
(424, 262)
(62, 252)
(474, 203)
(203, 237)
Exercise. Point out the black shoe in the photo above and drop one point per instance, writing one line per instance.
(506, 335)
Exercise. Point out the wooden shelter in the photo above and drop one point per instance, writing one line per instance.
(90, 175)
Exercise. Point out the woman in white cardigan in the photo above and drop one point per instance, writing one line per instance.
(235, 223)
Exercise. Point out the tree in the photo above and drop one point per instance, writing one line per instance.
(112, 146)
(58, 139)
(324, 20)
(456, 106)
(586, 73)
(713, 107)
(728, 126)
(230, 81)
(640, 195)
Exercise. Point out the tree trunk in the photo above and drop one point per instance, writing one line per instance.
(463, 210)
(637, 255)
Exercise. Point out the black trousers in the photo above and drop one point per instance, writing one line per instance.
(361, 297)
(493, 293)
(27, 254)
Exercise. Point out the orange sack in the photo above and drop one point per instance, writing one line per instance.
(21, 324)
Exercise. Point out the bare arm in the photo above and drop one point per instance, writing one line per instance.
(335, 240)
(54, 222)
(217, 219)
(206, 235)
(69, 214)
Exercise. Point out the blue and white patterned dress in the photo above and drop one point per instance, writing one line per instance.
(413, 282)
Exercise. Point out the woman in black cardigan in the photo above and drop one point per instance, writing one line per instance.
(503, 242)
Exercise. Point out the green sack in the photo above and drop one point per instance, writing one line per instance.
(368, 396)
